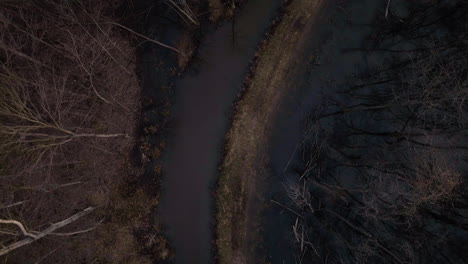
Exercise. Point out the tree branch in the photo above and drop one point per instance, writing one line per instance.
(20, 226)
(44, 233)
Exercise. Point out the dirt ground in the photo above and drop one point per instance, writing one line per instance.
(277, 62)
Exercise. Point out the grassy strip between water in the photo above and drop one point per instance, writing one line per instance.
(277, 61)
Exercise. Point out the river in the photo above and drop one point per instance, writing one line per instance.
(203, 107)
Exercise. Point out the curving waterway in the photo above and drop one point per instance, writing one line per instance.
(202, 110)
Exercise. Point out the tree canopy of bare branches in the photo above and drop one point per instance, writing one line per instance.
(383, 169)
(68, 106)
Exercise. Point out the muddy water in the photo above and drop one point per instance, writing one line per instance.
(203, 107)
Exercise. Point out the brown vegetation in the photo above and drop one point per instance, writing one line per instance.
(223, 9)
(244, 164)
(187, 46)
(68, 110)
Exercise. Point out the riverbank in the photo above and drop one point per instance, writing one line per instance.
(278, 60)
(91, 141)
(201, 112)
(70, 103)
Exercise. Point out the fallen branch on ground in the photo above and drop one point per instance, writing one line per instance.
(33, 237)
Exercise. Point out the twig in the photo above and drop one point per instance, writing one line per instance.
(386, 9)
(146, 38)
(78, 232)
(12, 205)
(20, 226)
(287, 208)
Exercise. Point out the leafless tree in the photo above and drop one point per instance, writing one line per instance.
(382, 162)
(68, 92)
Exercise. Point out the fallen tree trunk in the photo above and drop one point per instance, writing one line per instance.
(46, 232)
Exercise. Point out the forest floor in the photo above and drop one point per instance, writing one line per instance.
(277, 62)
(114, 174)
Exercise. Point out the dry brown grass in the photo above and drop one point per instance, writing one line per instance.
(278, 61)
(223, 9)
(187, 46)
(216, 10)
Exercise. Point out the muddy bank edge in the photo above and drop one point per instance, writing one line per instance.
(238, 194)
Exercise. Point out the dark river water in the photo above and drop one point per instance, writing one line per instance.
(204, 97)
(203, 107)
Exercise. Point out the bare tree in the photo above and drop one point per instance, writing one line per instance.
(382, 163)
(68, 103)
